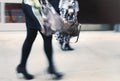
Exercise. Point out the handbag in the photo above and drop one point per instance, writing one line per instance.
(48, 18)
(71, 30)
(54, 22)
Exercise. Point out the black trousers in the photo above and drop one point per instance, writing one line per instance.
(32, 27)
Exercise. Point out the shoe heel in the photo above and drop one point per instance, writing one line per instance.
(22, 73)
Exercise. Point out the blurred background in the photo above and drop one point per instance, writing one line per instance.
(94, 14)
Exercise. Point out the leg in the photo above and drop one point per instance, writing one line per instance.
(49, 53)
(32, 25)
(48, 48)
(67, 47)
(27, 45)
(65, 43)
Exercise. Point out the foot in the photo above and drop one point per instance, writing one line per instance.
(52, 71)
(66, 47)
(25, 74)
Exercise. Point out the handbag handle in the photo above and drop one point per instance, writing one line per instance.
(79, 29)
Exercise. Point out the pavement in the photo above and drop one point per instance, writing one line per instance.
(96, 57)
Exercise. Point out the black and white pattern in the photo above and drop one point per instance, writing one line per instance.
(68, 12)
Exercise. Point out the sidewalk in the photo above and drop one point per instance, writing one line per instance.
(96, 57)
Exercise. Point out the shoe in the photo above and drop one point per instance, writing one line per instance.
(26, 75)
(52, 71)
(66, 47)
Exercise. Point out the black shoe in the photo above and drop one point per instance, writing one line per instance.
(66, 47)
(23, 71)
(61, 43)
(57, 75)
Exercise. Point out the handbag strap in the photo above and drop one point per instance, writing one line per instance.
(79, 29)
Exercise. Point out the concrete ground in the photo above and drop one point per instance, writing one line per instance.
(96, 57)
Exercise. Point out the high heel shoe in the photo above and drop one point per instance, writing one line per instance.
(52, 71)
(23, 71)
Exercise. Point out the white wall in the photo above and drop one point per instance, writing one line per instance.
(0, 12)
(9, 26)
(11, 1)
(96, 27)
